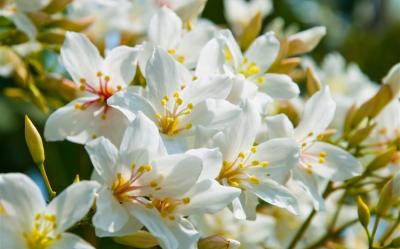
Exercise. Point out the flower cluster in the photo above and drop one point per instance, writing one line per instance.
(199, 136)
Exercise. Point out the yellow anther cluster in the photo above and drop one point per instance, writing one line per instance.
(146, 168)
(264, 164)
(322, 157)
(227, 54)
(94, 136)
(242, 155)
(260, 80)
(186, 200)
(181, 59)
(168, 121)
(249, 70)
(107, 78)
(43, 234)
(253, 149)
(255, 163)
(99, 74)
(172, 51)
(254, 180)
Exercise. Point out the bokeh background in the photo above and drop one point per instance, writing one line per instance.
(366, 32)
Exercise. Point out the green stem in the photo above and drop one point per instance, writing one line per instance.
(52, 193)
(307, 222)
(390, 231)
(371, 242)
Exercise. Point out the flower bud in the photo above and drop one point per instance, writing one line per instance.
(34, 142)
(313, 82)
(389, 194)
(140, 239)
(393, 79)
(218, 242)
(305, 41)
(381, 160)
(360, 135)
(251, 31)
(363, 212)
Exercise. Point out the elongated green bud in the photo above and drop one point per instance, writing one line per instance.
(363, 212)
(218, 242)
(34, 142)
(140, 239)
(389, 194)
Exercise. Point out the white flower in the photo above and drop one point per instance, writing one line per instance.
(142, 184)
(240, 12)
(27, 222)
(16, 10)
(250, 234)
(317, 159)
(223, 55)
(186, 9)
(176, 102)
(166, 31)
(348, 84)
(258, 171)
(89, 116)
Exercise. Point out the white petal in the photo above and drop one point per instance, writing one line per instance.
(211, 59)
(308, 39)
(165, 29)
(242, 89)
(318, 114)
(11, 233)
(25, 24)
(263, 51)
(132, 225)
(180, 172)
(152, 220)
(71, 241)
(393, 79)
(69, 121)
(242, 133)
(309, 184)
(81, 58)
(103, 155)
(64, 206)
(112, 127)
(232, 47)
(141, 135)
(214, 113)
(163, 76)
(193, 42)
(279, 86)
(279, 126)
(208, 196)
(110, 215)
(20, 197)
(339, 165)
(238, 209)
(212, 162)
(185, 233)
(275, 194)
(120, 64)
(279, 153)
(215, 87)
(129, 103)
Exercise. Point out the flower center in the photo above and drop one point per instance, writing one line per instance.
(103, 91)
(43, 234)
(169, 120)
(235, 172)
(126, 190)
(167, 206)
(249, 69)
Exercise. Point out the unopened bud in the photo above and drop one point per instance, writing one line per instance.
(218, 242)
(251, 31)
(381, 160)
(363, 212)
(140, 239)
(313, 82)
(393, 79)
(389, 194)
(34, 142)
(305, 41)
(360, 135)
